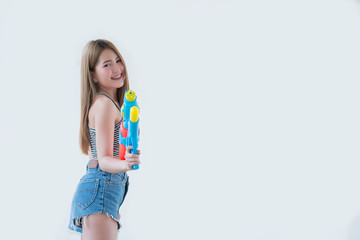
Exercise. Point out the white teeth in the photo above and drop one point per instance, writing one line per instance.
(117, 76)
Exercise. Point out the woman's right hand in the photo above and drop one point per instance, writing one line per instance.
(131, 159)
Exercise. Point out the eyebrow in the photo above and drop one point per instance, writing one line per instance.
(110, 60)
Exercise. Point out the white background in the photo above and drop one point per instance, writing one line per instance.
(249, 116)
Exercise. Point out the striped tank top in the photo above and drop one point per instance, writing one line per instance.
(116, 135)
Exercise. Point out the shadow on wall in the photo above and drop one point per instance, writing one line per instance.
(354, 230)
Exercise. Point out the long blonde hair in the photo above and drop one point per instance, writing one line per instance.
(90, 56)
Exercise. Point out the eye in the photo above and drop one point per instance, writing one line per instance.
(118, 60)
(106, 65)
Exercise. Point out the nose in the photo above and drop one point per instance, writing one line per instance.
(116, 69)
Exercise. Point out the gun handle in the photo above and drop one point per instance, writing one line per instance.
(135, 167)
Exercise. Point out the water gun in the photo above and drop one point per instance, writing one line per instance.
(129, 128)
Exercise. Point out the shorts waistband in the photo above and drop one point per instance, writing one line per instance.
(93, 167)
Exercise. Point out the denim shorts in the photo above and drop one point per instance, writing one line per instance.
(98, 192)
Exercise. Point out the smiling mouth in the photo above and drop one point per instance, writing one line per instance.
(117, 77)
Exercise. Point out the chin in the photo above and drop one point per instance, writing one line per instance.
(120, 84)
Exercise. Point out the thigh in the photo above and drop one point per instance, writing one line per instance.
(99, 226)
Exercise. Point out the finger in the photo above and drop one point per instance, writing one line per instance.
(137, 152)
(133, 164)
(131, 155)
(134, 161)
(127, 154)
(128, 148)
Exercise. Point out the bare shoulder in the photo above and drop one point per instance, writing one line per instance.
(103, 107)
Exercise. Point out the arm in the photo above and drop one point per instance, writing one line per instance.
(105, 117)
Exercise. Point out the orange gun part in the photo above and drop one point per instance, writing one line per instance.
(122, 149)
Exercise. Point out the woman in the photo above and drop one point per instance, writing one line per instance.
(101, 191)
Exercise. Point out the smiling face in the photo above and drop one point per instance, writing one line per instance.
(109, 71)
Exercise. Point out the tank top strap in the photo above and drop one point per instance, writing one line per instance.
(110, 99)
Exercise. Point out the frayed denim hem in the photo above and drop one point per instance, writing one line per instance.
(77, 223)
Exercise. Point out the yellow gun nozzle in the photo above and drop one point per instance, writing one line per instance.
(130, 96)
(134, 114)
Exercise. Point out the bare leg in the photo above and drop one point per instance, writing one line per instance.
(99, 227)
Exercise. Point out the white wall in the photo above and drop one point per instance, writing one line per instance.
(249, 116)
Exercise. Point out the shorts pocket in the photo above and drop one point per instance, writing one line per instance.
(125, 191)
(86, 192)
(118, 178)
